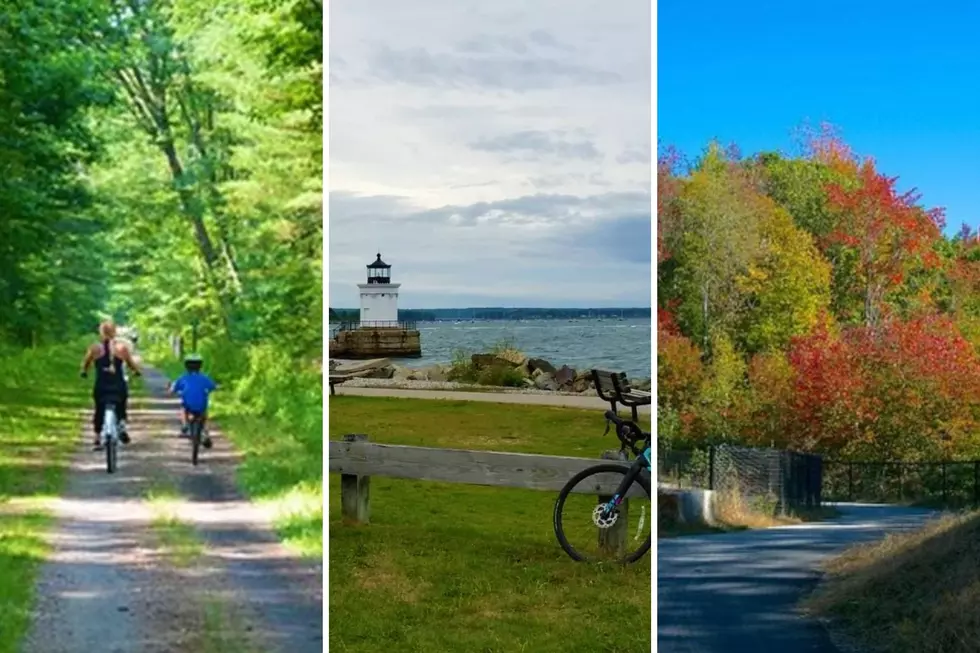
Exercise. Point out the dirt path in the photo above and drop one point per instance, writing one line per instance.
(569, 401)
(109, 584)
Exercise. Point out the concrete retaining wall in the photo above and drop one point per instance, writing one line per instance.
(692, 506)
(377, 343)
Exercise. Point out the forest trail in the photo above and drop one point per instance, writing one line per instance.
(162, 556)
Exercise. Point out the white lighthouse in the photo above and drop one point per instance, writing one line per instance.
(379, 297)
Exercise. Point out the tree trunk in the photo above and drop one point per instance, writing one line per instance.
(704, 313)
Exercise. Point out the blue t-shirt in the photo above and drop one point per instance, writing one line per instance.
(193, 389)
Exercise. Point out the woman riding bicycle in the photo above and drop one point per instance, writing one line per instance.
(108, 356)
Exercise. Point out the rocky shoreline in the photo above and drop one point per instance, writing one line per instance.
(506, 370)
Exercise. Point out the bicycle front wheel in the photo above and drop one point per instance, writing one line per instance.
(587, 533)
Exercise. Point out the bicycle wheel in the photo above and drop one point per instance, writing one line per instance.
(195, 440)
(624, 536)
(110, 441)
(110, 455)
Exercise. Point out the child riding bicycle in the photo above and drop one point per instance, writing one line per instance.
(194, 388)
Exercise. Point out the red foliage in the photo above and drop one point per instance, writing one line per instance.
(666, 322)
(888, 229)
(895, 392)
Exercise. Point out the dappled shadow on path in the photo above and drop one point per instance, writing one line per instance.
(738, 592)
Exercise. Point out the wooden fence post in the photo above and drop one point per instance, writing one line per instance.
(711, 467)
(976, 483)
(355, 491)
(613, 539)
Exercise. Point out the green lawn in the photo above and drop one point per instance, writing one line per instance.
(41, 397)
(449, 567)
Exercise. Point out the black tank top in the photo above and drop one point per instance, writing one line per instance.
(109, 369)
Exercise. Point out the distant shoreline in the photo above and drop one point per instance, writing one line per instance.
(502, 314)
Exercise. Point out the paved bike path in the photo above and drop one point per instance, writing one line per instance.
(107, 585)
(738, 592)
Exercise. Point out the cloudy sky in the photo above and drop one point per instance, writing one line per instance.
(495, 153)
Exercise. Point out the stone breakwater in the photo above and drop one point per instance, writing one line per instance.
(507, 370)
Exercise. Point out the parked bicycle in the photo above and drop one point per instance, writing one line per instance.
(591, 530)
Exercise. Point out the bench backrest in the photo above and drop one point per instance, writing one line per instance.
(609, 385)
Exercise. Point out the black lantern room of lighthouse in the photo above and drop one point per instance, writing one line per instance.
(379, 271)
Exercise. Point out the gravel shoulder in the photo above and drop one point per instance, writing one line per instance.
(738, 592)
(109, 584)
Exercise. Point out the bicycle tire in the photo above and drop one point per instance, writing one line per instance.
(110, 455)
(607, 468)
(110, 443)
(195, 441)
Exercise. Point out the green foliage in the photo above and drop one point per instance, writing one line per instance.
(501, 375)
(462, 369)
(39, 400)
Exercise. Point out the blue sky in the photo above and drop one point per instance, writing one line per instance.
(901, 84)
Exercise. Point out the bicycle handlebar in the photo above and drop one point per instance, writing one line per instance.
(627, 431)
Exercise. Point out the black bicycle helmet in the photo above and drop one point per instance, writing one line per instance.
(193, 362)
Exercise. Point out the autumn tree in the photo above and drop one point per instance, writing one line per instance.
(719, 210)
(786, 286)
(887, 231)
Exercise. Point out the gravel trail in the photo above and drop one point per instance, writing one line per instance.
(109, 586)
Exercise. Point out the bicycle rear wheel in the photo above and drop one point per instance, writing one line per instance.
(110, 455)
(624, 536)
(195, 441)
(110, 441)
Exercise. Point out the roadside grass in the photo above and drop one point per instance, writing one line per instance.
(41, 399)
(916, 591)
(451, 567)
(734, 513)
(276, 424)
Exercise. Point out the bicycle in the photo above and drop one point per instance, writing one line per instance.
(620, 488)
(195, 429)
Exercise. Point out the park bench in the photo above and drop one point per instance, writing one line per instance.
(615, 388)
(338, 379)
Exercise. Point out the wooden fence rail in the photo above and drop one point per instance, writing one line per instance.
(356, 460)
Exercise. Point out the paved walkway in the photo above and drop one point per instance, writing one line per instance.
(569, 401)
(738, 592)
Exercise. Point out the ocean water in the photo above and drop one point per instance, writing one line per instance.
(617, 345)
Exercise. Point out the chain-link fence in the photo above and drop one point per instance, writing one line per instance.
(951, 483)
(684, 468)
(768, 480)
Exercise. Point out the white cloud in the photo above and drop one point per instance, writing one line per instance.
(493, 152)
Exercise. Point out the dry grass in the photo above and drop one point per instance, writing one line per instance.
(911, 592)
(733, 513)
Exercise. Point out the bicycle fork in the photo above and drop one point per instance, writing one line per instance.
(625, 484)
